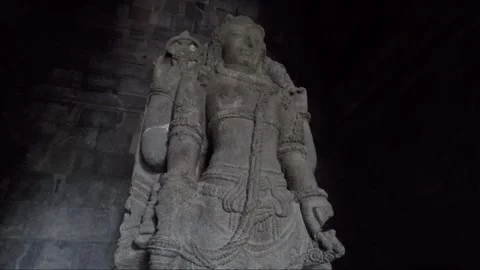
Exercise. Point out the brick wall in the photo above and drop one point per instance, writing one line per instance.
(78, 78)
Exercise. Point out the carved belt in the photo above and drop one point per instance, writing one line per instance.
(234, 198)
(236, 113)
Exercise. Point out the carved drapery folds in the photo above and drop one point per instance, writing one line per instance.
(224, 168)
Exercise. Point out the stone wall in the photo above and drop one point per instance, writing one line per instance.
(78, 81)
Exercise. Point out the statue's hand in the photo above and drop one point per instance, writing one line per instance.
(316, 210)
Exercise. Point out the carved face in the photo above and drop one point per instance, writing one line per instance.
(243, 45)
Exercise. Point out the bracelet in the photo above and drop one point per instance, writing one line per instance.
(310, 191)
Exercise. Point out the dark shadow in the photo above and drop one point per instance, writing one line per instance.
(392, 93)
(41, 36)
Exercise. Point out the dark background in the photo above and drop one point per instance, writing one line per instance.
(393, 92)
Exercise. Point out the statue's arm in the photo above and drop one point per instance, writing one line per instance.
(292, 154)
(186, 134)
(278, 73)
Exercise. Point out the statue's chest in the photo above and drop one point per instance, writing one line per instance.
(245, 99)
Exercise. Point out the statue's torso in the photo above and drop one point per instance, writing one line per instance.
(243, 117)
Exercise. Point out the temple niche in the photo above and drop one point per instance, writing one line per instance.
(224, 172)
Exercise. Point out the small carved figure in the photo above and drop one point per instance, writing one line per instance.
(238, 190)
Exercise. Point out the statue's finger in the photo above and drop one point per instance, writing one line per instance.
(313, 225)
(323, 240)
(337, 246)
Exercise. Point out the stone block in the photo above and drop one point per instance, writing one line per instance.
(131, 122)
(51, 92)
(193, 12)
(113, 141)
(133, 70)
(16, 254)
(96, 255)
(86, 137)
(133, 102)
(134, 145)
(118, 68)
(229, 6)
(160, 37)
(134, 86)
(59, 158)
(100, 118)
(102, 82)
(51, 254)
(87, 161)
(249, 8)
(32, 187)
(134, 45)
(39, 222)
(146, 4)
(47, 129)
(116, 165)
(140, 14)
(56, 113)
(162, 20)
(182, 23)
(122, 15)
(201, 30)
(66, 77)
(171, 6)
(89, 190)
(141, 30)
(61, 223)
(33, 111)
(13, 218)
(102, 64)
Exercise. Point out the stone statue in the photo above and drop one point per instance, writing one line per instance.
(228, 182)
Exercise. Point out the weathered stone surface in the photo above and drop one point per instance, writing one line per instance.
(133, 86)
(119, 68)
(31, 187)
(162, 19)
(87, 161)
(131, 122)
(102, 82)
(182, 22)
(46, 91)
(56, 113)
(89, 190)
(66, 77)
(122, 15)
(58, 157)
(113, 141)
(96, 256)
(54, 254)
(86, 137)
(140, 14)
(258, 187)
(116, 165)
(100, 118)
(13, 219)
(27, 221)
(104, 164)
(193, 12)
(16, 254)
(171, 6)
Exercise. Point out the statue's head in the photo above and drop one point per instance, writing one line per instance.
(241, 42)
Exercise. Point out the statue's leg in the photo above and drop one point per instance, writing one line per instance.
(167, 242)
